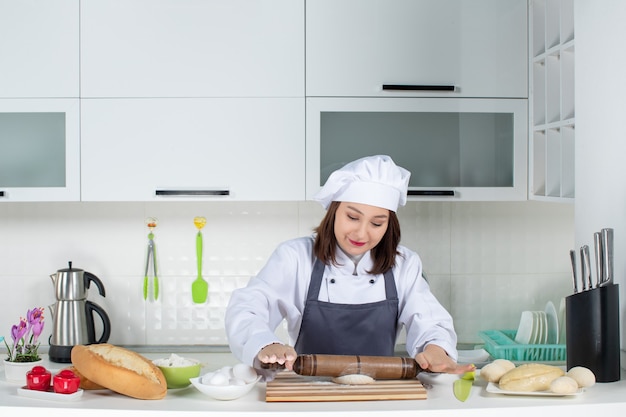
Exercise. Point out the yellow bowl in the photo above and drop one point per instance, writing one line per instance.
(179, 376)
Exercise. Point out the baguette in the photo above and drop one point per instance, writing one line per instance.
(85, 383)
(530, 377)
(120, 370)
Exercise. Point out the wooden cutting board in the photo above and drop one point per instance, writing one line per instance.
(291, 387)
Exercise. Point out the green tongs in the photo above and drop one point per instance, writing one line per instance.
(151, 222)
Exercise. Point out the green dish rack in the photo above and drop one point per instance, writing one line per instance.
(501, 344)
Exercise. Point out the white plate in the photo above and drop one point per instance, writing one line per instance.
(525, 329)
(553, 324)
(562, 321)
(49, 395)
(537, 331)
(543, 322)
(494, 389)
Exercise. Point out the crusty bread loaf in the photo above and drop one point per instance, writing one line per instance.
(85, 383)
(530, 377)
(120, 370)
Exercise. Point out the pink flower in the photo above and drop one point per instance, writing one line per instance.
(18, 331)
(35, 322)
(25, 335)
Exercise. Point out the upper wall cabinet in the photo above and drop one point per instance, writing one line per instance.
(39, 48)
(217, 149)
(451, 48)
(192, 48)
(39, 150)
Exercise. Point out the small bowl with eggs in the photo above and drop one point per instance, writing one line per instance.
(178, 371)
(228, 382)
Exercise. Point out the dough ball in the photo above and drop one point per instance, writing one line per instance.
(505, 363)
(564, 385)
(492, 372)
(355, 379)
(584, 377)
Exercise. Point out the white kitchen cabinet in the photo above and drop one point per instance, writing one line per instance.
(188, 149)
(39, 48)
(456, 149)
(39, 150)
(551, 98)
(192, 48)
(451, 48)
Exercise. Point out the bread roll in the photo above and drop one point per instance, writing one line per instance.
(85, 383)
(530, 377)
(120, 370)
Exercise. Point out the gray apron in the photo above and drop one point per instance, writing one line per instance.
(367, 329)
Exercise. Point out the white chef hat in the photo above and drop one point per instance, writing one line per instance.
(373, 180)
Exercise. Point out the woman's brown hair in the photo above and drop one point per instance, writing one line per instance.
(383, 254)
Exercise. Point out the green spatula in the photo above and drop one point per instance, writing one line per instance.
(199, 287)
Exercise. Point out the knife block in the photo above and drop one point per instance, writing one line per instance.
(592, 331)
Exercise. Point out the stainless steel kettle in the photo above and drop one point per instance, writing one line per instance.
(73, 314)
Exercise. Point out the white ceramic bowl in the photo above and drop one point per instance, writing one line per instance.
(223, 392)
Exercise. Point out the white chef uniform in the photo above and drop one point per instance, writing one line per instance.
(279, 292)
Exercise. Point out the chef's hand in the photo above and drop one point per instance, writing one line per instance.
(435, 359)
(278, 353)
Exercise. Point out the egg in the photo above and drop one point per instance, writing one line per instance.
(244, 372)
(227, 371)
(219, 378)
(206, 378)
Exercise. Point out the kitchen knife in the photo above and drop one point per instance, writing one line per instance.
(607, 258)
(572, 256)
(377, 367)
(597, 245)
(587, 261)
(583, 268)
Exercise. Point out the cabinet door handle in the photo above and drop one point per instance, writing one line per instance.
(417, 87)
(1, 193)
(436, 193)
(192, 192)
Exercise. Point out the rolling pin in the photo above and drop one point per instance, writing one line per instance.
(377, 367)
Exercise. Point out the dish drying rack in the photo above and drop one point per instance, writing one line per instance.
(501, 344)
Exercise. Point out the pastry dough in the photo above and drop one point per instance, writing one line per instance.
(353, 379)
(564, 385)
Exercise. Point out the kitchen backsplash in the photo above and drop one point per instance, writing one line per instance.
(485, 262)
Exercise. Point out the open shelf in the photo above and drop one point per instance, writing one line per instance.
(552, 112)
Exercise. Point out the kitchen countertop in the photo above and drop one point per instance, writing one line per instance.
(600, 398)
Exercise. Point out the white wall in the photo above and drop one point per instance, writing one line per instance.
(600, 138)
(486, 262)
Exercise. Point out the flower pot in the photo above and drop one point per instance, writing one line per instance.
(16, 371)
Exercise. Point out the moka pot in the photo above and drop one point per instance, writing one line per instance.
(73, 314)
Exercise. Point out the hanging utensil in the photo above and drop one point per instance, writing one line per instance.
(151, 222)
(607, 258)
(572, 256)
(199, 287)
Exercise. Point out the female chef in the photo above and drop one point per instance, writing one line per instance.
(349, 288)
